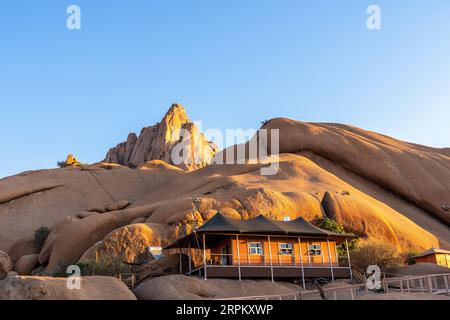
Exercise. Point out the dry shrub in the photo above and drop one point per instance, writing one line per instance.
(375, 252)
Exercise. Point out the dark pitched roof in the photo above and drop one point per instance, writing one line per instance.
(220, 224)
(431, 251)
(260, 224)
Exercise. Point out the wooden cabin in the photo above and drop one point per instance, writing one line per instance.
(264, 248)
(437, 256)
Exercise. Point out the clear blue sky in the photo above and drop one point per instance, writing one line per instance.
(231, 63)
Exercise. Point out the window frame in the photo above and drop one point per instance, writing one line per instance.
(288, 251)
(260, 247)
(314, 249)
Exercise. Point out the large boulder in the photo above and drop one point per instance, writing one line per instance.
(118, 205)
(130, 244)
(46, 250)
(46, 288)
(415, 172)
(179, 287)
(22, 247)
(75, 238)
(169, 264)
(25, 265)
(5, 264)
(78, 236)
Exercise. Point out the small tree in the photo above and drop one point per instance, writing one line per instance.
(40, 235)
(333, 226)
(375, 252)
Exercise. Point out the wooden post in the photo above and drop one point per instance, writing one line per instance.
(309, 255)
(239, 256)
(365, 285)
(386, 283)
(270, 256)
(401, 286)
(331, 263)
(348, 257)
(430, 286)
(321, 254)
(446, 284)
(181, 267)
(337, 255)
(421, 284)
(301, 263)
(190, 259)
(204, 256)
(248, 254)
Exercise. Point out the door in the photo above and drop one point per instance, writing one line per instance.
(226, 258)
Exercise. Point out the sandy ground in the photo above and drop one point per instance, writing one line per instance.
(403, 296)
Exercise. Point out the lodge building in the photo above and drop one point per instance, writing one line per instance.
(265, 248)
(440, 257)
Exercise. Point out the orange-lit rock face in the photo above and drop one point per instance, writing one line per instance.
(417, 173)
(156, 143)
(374, 185)
(128, 244)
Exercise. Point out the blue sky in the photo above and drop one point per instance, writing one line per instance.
(231, 63)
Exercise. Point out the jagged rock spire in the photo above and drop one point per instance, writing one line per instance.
(156, 143)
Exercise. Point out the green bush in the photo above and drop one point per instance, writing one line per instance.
(61, 164)
(40, 235)
(333, 226)
(104, 266)
(407, 257)
(60, 270)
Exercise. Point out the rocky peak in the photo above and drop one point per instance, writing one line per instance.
(157, 142)
(176, 115)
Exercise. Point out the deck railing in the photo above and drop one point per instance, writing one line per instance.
(274, 260)
(128, 278)
(437, 284)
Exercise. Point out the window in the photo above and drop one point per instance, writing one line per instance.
(315, 250)
(156, 252)
(286, 249)
(255, 248)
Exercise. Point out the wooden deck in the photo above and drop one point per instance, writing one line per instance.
(436, 284)
(278, 272)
